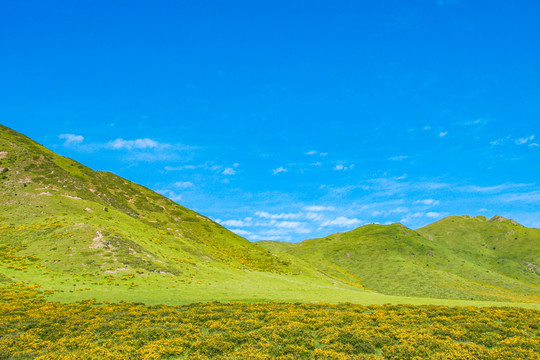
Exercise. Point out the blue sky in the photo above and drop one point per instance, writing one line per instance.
(289, 120)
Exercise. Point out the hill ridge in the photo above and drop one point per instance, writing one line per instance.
(83, 233)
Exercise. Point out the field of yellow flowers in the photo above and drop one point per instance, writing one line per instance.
(33, 328)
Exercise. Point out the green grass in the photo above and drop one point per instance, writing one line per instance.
(89, 234)
(438, 261)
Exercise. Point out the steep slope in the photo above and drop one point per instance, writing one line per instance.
(61, 222)
(393, 259)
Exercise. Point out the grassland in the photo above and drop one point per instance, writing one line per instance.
(458, 258)
(33, 328)
(86, 234)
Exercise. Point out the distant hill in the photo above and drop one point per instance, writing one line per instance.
(458, 257)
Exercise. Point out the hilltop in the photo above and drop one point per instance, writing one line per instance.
(459, 257)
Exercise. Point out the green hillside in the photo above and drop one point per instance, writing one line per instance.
(508, 252)
(85, 233)
(453, 258)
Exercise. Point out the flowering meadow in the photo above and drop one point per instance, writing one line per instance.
(33, 328)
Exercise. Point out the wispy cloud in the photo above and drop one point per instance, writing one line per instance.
(475, 122)
(521, 197)
(71, 139)
(180, 168)
(398, 158)
(517, 141)
(183, 184)
(170, 194)
(490, 189)
(314, 152)
(430, 202)
(318, 208)
(524, 140)
(419, 215)
(138, 144)
(342, 221)
(267, 215)
(279, 170)
(206, 166)
(237, 223)
(341, 167)
(229, 171)
(242, 232)
(443, 133)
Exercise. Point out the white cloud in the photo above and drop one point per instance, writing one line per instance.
(183, 184)
(533, 145)
(341, 167)
(318, 163)
(525, 197)
(418, 215)
(490, 189)
(443, 133)
(427, 127)
(229, 171)
(138, 144)
(288, 224)
(524, 140)
(236, 165)
(475, 122)
(71, 139)
(313, 216)
(170, 194)
(238, 223)
(180, 168)
(279, 170)
(430, 202)
(398, 210)
(267, 215)
(318, 208)
(313, 152)
(342, 221)
(398, 158)
(496, 142)
(270, 238)
(241, 232)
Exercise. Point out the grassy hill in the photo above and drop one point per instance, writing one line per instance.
(85, 234)
(457, 257)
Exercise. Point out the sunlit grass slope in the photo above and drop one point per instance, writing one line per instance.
(87, 233)
(455, 258)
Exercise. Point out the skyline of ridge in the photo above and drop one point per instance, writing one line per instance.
(316, 209)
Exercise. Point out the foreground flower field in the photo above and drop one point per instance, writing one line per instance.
(33, 328)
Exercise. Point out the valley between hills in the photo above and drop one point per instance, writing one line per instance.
(83, 234)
